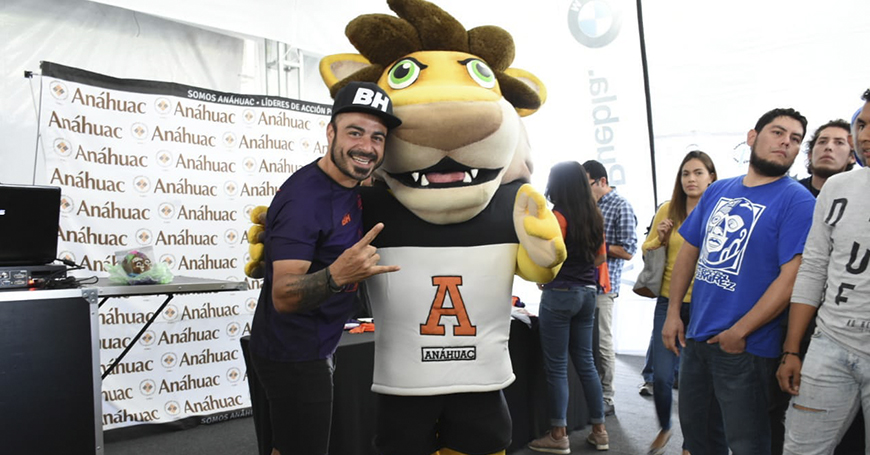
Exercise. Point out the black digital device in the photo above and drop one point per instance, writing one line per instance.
(29, 217)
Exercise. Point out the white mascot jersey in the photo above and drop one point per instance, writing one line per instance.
(442, 322)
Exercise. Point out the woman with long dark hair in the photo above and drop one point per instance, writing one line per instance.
(695, 174)
(568, 307)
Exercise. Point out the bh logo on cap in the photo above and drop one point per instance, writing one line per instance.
(365, 97)
(369, 97)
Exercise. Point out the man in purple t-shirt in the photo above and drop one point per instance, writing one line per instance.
(315, 254)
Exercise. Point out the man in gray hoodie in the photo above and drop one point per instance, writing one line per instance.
(834, 377)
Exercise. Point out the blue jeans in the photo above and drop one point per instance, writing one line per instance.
(739, 384)
(647, 372)
(835, 382)
(656, 337)
(664, 363)
(566, 320)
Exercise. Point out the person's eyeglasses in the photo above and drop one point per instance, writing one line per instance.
(592, 182)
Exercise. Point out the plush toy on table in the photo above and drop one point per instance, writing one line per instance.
(136, 267)
(136, 263)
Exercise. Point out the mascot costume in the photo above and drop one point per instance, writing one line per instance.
(459, 220)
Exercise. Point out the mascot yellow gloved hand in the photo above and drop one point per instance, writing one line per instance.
(254, 268)
(542, 249)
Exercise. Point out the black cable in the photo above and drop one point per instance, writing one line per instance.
(52, 282)
(89, 280)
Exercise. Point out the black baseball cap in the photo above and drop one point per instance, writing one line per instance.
(368, 98)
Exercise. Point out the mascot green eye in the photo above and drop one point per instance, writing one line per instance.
(404, 73)
(480, 72)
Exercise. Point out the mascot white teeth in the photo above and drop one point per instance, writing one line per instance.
(460, 219)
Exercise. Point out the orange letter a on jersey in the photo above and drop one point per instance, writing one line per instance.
(448, 285)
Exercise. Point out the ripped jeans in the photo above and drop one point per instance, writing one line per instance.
(834, 383)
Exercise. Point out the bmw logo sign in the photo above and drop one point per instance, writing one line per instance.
(594, 23)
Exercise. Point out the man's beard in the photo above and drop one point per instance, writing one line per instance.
(767, 168)
(353, 172)
(826, 172)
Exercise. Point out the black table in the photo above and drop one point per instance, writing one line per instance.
(353, 420)
(49, 372)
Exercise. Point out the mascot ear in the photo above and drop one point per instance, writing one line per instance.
(334, 68)
(533, 83)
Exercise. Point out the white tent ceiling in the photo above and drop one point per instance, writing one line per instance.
(714, 67)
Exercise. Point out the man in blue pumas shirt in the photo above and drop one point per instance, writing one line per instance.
(315, 255)
(746, 237)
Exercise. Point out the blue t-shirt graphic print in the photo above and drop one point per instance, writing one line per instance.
(726, 237)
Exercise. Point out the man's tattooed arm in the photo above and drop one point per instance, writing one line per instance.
(308, 291)
(294, 290)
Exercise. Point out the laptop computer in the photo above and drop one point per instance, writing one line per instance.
(28, 224)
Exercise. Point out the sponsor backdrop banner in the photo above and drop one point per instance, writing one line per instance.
(177, 168)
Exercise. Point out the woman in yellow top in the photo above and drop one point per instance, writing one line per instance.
(696, 173)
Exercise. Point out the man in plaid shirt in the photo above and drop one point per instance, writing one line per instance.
(620, 226)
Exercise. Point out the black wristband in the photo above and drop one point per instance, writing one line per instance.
(785, 353)
(330, 283)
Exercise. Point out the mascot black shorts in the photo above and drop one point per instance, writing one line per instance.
(472, 423)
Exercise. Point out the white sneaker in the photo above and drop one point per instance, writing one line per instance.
(646, 389)
(547, 443)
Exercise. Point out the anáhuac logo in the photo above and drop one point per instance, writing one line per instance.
(142, 184)
(247, 212)
(147, 387)
(89, 236)
(169, 260)
(231, 188)
(171, 313)
(172, 408)
(306, 145)
(58, 90)
(234, 375)
(62, 147)
(139, 130)
(67, 204)
(229, 139)
(165, 158)
(166, 210)
(249, 164)
(251, 304)
(147, 338)
(169, 360)
(163, 106)
(594, 23)
(233, 329)
(144, 236)
(249, 116)
(231, 236)
(206, 262)
(186, 237)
